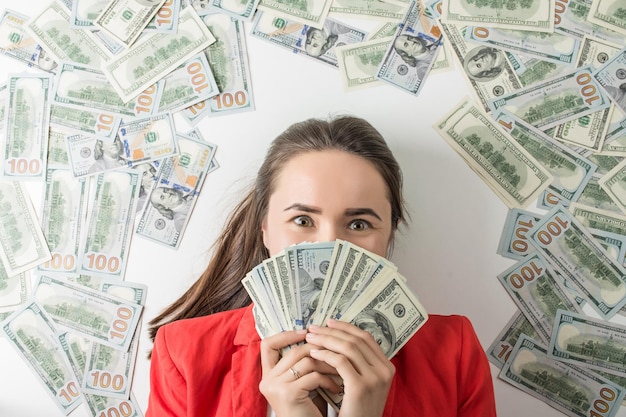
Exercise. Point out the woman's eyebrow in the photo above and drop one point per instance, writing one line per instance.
(303, 207)
(361, 211)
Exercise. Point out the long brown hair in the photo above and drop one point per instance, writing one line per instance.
(239, 247)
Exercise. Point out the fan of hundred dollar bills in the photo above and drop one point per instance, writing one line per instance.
(309, 283)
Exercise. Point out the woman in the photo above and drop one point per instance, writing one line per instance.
(320, 181)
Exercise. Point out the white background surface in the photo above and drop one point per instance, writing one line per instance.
(448, 252)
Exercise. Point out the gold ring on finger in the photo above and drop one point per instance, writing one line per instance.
(295, 373)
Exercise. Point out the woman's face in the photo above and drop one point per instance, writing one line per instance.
(326, 195)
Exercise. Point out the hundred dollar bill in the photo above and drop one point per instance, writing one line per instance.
(112, 45)
(267, 320)
(80, 86)
(89, 155)
(358, 63)
(148, 139)
(502, 346)
(384, 30)
(571, 171)
(534, 15)
(572, 18)
(573, 390)
(411, 53)
(531, 70)
(126, 19)
(64, 213)
(285, 268)
(596, 219)
(605, 163)
(166, 18)
(85, 12)
(615, 244)
(513, 241)
(595, 52)
(313, 266)
(57, 148)
(108, 235)
(538, 292)
(109, 372)
(52, 29)
(555, 101)
(614, 183)
(309, 12)
(99, 405)
(14, 291)
(102, 317)
(586, 341)
(187, 85)
(17, 43)
(92, 122)
(392, 315)
(228, 59)
(318, 44)
(240, 10)
(390, 305)
(511, 172)
(612, 77)
(157, 54)
(588, 131)
(486, 69)
(374, 9)
(22, 244)
(552, 47)
(33, 334)
(609, 14)
(615, 138)
(596, 196)
(169, 206)
(23, 155)
(571, 250)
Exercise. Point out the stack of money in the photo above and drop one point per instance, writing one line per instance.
(310, 283)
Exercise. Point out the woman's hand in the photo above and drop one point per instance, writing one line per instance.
(287, 381)
(358, 359)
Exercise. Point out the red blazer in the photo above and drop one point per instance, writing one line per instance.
(211, 366)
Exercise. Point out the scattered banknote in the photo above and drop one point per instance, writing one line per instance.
(166, 18)
(573, 390)
(187, 85)
(33, 333)
(572, 18)
(571, 171)
(110, 226)
(537, 16)
(509, 170)
(612, 77)
(614, 183)
(485, 68)
(309, 12)
(169, 205)
(228, 59)
(590, 342)
(513, 240)
(411, 53)
(23, 156)
(615, 138)
(22, 244)
(125, 20)
(368, 9)
(242, 10)
(531, 70)
(14, 291)
(89, 155)
(51, 28)
(100, 124)
(63, 219)
(609, 14)
(502, 346)
(358, 63)
(17, 43)
(571, 250)
(318, 44)
(596, 52)
(140, 66)
(148, 139)
(538, 292)
(588, 131)
(85, 12)
(557, 100)
(102, 317)
(552, 46)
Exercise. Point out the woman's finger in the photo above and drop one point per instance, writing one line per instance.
(272, 346)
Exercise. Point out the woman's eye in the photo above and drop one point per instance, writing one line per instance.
(359, 225)
(304, 221)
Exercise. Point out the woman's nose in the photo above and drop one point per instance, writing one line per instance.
(330, 232)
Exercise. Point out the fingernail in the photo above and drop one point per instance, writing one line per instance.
(303, 331)
(314, 327)
(310, 336)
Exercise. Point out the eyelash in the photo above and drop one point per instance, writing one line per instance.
(307, 218)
